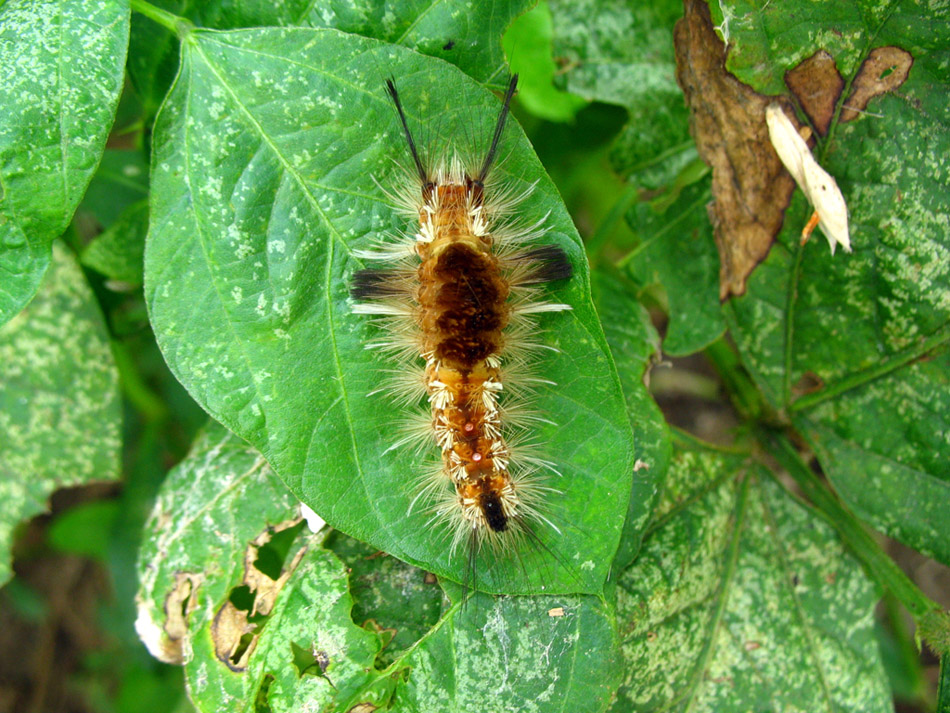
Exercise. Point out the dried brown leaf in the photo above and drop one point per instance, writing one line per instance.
(818, 86)
(751, 188)
(884, 70)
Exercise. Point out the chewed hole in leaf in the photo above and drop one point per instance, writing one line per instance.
(242, 598)
(237, 625)
(378, 585)
(310, 662)
(272, 554)
(261, 704)
(234, 637)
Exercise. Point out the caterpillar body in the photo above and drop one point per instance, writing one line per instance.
(460, 295)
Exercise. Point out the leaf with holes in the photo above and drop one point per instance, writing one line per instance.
(262, 613)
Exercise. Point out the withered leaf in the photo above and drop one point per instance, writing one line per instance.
(884, 70)
(751, 188)
(817, 84)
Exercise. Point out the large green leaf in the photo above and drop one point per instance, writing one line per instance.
(216, 527)
(634, 344)
(261, 189)
(59, 398)
(63, 71)
(847, 343)
(743, 600)
(465, 34)
(677, 250)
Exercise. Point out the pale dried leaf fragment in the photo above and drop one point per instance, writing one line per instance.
(168, 640)
(819, 187)
(233, 632)
(884, 70)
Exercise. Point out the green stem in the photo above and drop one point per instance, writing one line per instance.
(907, 651)
(943, 686)
(595, 245)
(175, 24)
(878, 564)
(859, 378)
(791, 298)
(136, 390)
(744, 394)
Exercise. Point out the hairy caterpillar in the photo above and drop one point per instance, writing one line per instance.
(460, 294)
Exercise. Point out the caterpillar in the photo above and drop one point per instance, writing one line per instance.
(458, 304)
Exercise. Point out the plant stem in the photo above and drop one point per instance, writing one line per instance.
(943, 686)
(907, 651)
(175, 24)
(791, 298)
(136, 390)
(856, 379)
(744, 394)
(619, 209)
(877, 562)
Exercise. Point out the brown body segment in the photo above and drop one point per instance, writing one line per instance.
(463, 310)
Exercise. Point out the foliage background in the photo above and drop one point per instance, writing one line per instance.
(721, 561)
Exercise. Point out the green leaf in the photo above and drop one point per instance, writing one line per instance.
(516, 654)
(634, 344)
(59, 402)
(549, 652)
(118, 253)
(528, 44)
(85, 529)
(766, 41)
(617, 53)
(855, 345)
(382, 588)
(63, 65)
(465, 34)
(677, 250)
(262, 187)
(884, 447)
(624, 55)
(462, 33)
(743, 600)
